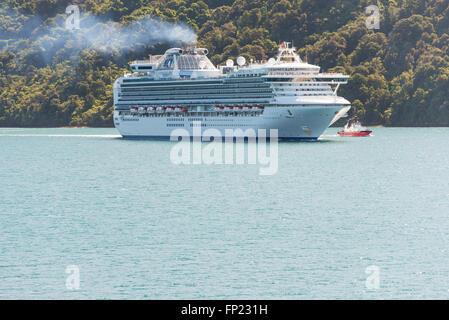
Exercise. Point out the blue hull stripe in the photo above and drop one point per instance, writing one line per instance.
(168, 138)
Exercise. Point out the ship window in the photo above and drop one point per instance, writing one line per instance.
(145, 67)
(192, 62)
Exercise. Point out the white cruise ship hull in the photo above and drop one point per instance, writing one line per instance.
(292, 123)
(183, 90)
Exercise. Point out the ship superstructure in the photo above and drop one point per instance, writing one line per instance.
(183, 88)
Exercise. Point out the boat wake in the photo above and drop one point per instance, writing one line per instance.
(329, 135)
(107, 136)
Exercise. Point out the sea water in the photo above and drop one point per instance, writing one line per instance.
(343, 218)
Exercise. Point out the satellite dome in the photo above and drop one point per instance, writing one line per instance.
(241, 61)
(229, 63)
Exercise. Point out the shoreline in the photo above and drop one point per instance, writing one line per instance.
(112, 127)
(63, 127)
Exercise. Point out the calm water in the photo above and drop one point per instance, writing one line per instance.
(138, 226)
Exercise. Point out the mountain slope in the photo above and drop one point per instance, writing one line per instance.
(51, 76)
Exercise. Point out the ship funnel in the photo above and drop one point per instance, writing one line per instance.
(202, 51)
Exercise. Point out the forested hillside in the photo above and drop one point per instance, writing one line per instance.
(52, 76)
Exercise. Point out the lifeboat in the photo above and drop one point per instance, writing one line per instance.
(239, 107)
(134, 109)
(170, 109)
(259, 107)
(178, 109)
(354, 129)
(219, 108)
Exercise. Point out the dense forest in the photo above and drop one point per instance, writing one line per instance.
(51, 75)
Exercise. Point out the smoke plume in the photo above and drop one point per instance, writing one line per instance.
(54, 42)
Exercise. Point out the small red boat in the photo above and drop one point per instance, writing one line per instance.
(354, 129)
(355, 133)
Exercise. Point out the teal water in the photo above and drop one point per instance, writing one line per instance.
(140, 227)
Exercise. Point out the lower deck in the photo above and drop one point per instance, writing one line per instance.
(291, 123)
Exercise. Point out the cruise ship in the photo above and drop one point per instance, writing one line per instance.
(183, 89)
